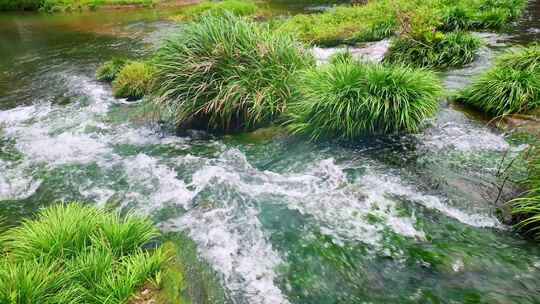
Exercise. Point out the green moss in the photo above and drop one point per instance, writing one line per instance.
(226, 73)
(110, 69)
(434, 49)
(511, 86)
(77, 254)
(135, 80)
(348, 100)
(220, 8)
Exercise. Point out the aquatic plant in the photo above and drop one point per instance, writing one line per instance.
(227, 73)
(134, 80)
(351, 99)
(234, 7)
(511, 86)
(77, 254)
(434, 49)
(108, 70)
(526, 208)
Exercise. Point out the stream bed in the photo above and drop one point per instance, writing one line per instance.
(398, 219)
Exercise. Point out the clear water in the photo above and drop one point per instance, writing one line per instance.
(407, 219)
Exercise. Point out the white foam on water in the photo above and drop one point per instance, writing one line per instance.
(231, 239)
(15, 183)
(463, 137)
(157, 183)
(391, 185)
(372, 51)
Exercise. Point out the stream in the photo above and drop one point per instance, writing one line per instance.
(396, 219)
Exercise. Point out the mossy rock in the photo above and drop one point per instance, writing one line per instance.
(135, 80)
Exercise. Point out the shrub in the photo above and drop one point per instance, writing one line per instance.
(77, 254)
(134, 80)
(234, 7)
(227, 73)
(511, 86)
(438, 50)
(110, 69)
(351, 99)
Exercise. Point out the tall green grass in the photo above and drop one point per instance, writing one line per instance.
(511, 86)
(77, 254)
(434, 49)
(526, 208)
(350, 99)
(218, 8)
(226, 73)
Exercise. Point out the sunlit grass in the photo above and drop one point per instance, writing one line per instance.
(77, 254)
(379, 19)
(134, 80)
(226, 73)
(350, 99)
(218, 8)
(434, 49)
(511, 86)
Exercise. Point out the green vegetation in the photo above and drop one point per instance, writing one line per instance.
(479, 14)
(226, 73)
(434, 49)
(78, 254)
(351, 99)
(65, 5)
(526, 209)
(511, 86)
(374, 21)
(380, 19)
(134, 80)
(234, 7)
(110, 69)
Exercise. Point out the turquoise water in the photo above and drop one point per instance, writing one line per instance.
(399, 219)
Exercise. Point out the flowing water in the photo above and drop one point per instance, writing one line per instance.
(409, 219)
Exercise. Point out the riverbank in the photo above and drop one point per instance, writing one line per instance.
(51, 6)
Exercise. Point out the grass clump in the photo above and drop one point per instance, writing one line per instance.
(526, 208)
(134, 80)
(350, 99)
(511, 86)
(110, 69)
(234, 7)
(479, 14)
(77, 254)
(227, 73)
(434, 49)
(373, 21)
